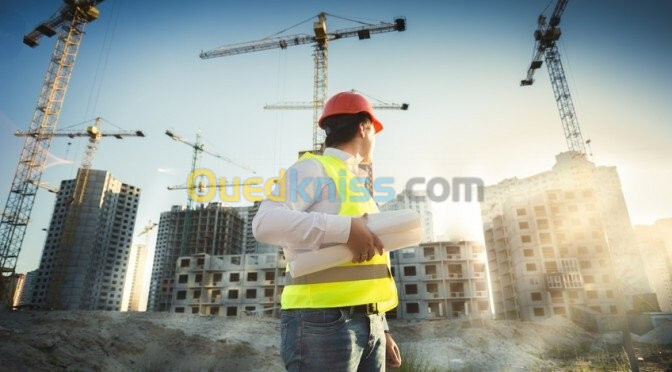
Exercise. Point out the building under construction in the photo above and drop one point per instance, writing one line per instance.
(434, 280)
(441, 280)
(213, 229)
(83, 264)
(137, 296)
(558, 241)
(229, 285)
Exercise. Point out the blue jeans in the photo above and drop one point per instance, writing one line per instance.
(331, 339)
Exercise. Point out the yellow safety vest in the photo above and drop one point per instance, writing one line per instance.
(351, 283)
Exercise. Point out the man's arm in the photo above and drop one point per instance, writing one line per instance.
(286, 222)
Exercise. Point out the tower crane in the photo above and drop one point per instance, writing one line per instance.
(545, 46)
(199, 148)
(68, 22)
(94, 133)
(148, 229)
(320, 41)
(378, 105)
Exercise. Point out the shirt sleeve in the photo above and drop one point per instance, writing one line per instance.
(287, 221)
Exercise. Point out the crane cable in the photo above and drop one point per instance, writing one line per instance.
(546, 8)
(103, 59)
(356, 21)
(280, 116)
(289, 28)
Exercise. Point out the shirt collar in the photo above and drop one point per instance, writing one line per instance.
(346, 157)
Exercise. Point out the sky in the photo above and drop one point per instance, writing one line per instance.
(458, 65)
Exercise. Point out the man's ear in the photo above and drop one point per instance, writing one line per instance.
(361, 131)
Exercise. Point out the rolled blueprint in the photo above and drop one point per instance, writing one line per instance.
(396, 229)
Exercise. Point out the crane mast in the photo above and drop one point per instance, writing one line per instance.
(320, 41)
(69, 24)
(545, 46)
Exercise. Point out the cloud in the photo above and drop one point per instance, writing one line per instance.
(165, 170)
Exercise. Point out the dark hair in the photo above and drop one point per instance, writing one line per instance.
(342, 128)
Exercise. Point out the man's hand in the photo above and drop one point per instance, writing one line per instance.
(363, 244)
(392, 353)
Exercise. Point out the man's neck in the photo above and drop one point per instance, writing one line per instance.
(349, 148)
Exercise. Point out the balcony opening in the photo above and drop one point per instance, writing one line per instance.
(412, 308)
(251, 293)
(433, 288)
(453, 251)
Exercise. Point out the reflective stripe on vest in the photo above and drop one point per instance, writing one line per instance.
(344, 274)
(336, 287)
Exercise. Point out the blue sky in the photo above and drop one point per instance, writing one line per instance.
(458, 65)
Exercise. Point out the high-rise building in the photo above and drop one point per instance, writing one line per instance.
(417, 201)
(28, 285)
(213, 229)
(441, 280)
(552, 238)
(135, 284)
(17, 282)
(247, 213)
(87, 270)
(655, 244)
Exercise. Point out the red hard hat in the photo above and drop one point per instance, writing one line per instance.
(349, 103)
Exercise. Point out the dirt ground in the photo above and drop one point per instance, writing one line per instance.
(107, 341)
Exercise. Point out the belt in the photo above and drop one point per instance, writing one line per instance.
(366, 309)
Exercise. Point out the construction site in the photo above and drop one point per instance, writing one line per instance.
(130, 238)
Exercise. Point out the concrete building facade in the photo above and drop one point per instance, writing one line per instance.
(96, 252)
(557, 242)
(441, 280)
(17, 283)
(213, 229)
(417, 201)
(247, 213)
(229, 285)
(28, 285)
(434, 280)
(135, 285)
(655, 244)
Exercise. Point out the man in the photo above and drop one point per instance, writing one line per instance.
(333, 319)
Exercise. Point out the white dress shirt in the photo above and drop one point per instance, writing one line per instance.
(302, 225)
